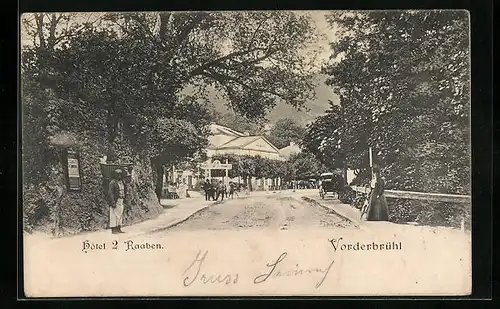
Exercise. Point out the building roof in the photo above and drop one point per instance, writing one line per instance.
(215, 141)
(226, 138)
(289, 150)
(242, 142)
(216, 129)
(239, 142)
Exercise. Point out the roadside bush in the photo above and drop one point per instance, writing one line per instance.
(347, 196)
(401, 211)
(35, 208)
(428, 213)
(358, 202)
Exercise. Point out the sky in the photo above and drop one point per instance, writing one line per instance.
(317, 107)
(320, 48)
(323, 92)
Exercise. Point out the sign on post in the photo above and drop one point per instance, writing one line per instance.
(73, 171)
(216, 165)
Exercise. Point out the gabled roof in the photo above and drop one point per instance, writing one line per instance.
(216, 129)
(271, 144)
(216, 141)
(223, 138)
(241, 142)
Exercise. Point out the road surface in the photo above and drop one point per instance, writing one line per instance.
(276, 211)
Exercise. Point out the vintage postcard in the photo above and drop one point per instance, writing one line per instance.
(246, 153)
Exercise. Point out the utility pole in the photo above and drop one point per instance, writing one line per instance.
(371, 156)
(343, 138)
(226, 181)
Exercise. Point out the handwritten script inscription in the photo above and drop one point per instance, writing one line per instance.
(275, 271)
(194, 273)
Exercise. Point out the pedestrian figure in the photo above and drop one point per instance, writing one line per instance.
(377, 209)
(207, 187)
(232, 190)
(220, 190)
(116, 194)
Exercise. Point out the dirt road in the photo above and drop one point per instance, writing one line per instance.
(273, 212)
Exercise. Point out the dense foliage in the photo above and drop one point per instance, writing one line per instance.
(305, 166)
(403, 79)
(285, 131)
(323, 138)
(302, 166)
(117, 81)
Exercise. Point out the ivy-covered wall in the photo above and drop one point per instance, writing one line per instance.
(50, 207)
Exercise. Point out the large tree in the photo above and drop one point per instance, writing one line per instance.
(403, 78)
(324, 136)
(122, 73)
(305, 166)
(285, 131)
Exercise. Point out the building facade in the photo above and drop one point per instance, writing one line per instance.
(224, 140)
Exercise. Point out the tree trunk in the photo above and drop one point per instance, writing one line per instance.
(157, 169)
(39, 19)
(159, 179)
(250, 186)
(112, 126)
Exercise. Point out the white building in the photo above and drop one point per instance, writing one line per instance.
(224, 140)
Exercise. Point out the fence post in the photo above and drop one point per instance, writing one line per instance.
(462, 224)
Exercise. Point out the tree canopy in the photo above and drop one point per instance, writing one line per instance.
(284, 131)
(403, 78)
(123, 74)
(305, 166)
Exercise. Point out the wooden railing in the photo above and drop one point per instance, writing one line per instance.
(411, 195)
(465, 200)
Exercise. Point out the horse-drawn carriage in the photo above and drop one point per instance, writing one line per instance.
(332, 183)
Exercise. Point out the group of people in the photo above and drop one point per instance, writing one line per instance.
(214, 191)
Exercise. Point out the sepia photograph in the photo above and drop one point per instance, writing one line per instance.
(246, 153)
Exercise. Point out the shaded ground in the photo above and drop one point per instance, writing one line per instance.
(275, 212)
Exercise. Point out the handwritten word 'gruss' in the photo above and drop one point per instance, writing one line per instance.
(194, 273)
(274, 271)
(339, 244)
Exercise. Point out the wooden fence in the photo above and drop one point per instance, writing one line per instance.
(411, 195)
(465, 200)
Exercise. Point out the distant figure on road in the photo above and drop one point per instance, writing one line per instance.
(116, 194)
(221, 189)
(232, 190)
(207, 186)
(377, 204)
